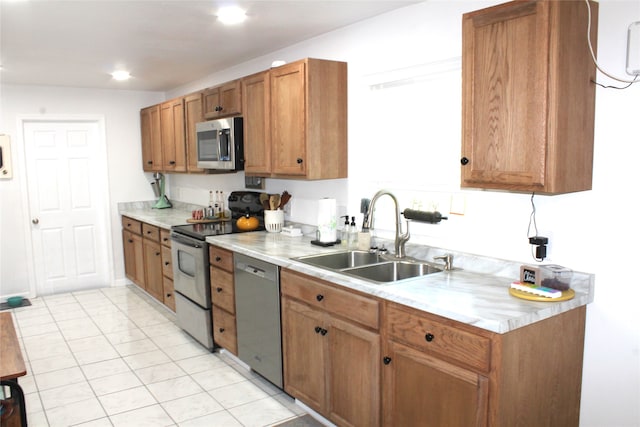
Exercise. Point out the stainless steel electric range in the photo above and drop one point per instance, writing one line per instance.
(190, 256)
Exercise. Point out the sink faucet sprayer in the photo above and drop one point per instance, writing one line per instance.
(401, 238)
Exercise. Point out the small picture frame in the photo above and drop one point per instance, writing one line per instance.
(530, 274)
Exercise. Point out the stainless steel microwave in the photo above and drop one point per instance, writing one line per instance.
(220, 144)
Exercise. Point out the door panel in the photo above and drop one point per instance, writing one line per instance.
(67, 181)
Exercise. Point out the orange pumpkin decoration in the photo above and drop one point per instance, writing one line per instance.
(247, 223)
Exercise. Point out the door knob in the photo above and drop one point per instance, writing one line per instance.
(35, 220)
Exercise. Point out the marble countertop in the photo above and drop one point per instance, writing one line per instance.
(477, 293)
(467, 296)
(163, 218)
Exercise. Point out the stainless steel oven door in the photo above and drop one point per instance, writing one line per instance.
(191, 269)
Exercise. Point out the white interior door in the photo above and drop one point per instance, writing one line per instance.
(67, 182)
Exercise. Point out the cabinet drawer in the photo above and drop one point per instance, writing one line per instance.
(221, 258)
(222, 289)
(357, 308)
(167, 266)
(224, 330)
(150, 232)
(169, 300)
(132, 225)
(165, 237)
(422, 331)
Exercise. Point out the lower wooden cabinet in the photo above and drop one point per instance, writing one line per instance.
(421, 390)
(223, 299)
(153, 268)
(133, 257)
(147, 259)
(331, 363)
(167, 270)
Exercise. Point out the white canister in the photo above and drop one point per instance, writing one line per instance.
(273, 220)
(327, 220)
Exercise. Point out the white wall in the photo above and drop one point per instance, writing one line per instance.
(590, 231)
(127, 182)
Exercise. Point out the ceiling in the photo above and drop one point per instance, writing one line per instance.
(164, 44)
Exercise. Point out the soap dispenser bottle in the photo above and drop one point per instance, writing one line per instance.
(344, 231)
(353, 233)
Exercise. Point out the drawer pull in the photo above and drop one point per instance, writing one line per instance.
(319, 297)
(429, 337)
(157, 253)
(130, 240)
(221, 330)
(323, 332)
(167, 263)
(318, 329)
(168, 295)
(218, 290)
(218, 259)
(386, 360)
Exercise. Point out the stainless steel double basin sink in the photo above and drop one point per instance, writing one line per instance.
(373, 267)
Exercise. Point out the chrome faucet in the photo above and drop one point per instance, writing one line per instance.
(400, 239)
(448, 261)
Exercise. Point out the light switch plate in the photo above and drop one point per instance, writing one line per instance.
(633, 49)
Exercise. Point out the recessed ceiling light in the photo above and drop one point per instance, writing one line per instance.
(230, 15)
(121, 75)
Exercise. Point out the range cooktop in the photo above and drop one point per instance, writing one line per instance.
(240, 203)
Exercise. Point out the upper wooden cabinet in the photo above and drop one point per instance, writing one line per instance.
(296, 121)
(528, 100)
(192, 115)
(309, 119)
(222, 101)
(174, 153)
(151, 141)
(256, 102)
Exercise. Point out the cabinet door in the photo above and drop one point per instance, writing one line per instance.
(230, 99)
(167, 262)
(255, 107)
(224, 329)
(222, 101)
(151, 140)
(172, 136)
(353, 375)
(153, 268)
(525, 68)
(168, 289)
(222, 289)
(133, 257)
(304, 353)
(505, 87)
(192, 115)
(420, 390)
(288, 119)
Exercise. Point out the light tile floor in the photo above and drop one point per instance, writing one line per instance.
(115, 357)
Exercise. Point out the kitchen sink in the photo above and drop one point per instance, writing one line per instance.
(392, 271)
(342, 260)
(371, 266)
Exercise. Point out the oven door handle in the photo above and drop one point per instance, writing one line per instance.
(185, 241)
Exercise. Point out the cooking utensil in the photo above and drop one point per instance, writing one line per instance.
(264, 201)
(274, 201)
(284, 199)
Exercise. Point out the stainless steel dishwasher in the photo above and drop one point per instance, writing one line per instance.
(258, 316)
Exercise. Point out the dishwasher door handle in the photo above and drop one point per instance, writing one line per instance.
(254, 270)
